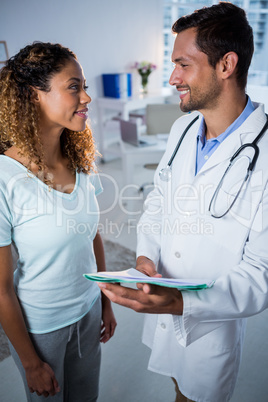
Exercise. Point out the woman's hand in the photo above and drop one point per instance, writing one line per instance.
(108, 320)
(41, 379)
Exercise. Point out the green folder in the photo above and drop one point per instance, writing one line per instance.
(134, 276)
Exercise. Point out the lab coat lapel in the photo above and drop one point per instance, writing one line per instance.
(246, 133)
(223, 152)
(188, 171)
(183, 166)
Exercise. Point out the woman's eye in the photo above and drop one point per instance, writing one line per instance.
(77, 87)
(74, 86)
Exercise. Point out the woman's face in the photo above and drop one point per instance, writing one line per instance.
(65, 105)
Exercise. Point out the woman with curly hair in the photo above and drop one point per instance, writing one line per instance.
(53, 317)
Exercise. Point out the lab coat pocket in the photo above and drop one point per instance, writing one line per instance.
(227, 336)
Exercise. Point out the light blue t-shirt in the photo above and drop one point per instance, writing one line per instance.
(53, 233)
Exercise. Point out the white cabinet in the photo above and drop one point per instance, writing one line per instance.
(108, 129)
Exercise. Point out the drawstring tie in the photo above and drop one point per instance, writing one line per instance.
(78, 339)
(71, 331)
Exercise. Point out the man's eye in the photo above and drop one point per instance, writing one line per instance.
(74, 86)
(85, 87)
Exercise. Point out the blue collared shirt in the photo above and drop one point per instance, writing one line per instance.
(205, 148)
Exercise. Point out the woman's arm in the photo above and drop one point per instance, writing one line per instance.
(40, 376)
(108, 319)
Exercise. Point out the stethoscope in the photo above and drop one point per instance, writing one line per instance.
(166, 173)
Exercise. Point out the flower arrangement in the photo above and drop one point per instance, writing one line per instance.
(144, 69)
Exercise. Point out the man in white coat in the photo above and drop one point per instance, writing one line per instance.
(198, 225)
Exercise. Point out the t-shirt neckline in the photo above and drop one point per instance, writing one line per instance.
(50, 189)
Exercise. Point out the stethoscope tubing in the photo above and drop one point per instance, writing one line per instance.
(253, 144)
(250, 168)
(181, 139)
(216, 192)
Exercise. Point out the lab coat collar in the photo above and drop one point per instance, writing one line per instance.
(188, 147)
(245, 133)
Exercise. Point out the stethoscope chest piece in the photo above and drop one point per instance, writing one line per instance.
(165, 174)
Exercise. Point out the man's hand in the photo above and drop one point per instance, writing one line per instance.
(146, 266)
(148, 298)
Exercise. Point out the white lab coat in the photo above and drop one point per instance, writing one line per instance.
(202, 348)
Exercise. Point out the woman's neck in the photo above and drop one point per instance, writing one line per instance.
(49, 149)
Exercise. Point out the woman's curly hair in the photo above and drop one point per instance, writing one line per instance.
(33, 67)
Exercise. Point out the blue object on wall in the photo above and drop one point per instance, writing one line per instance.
(117, 85)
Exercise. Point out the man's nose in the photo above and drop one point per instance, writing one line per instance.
(175, 78)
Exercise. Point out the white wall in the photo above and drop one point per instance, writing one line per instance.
(259, 94)
(108, 36)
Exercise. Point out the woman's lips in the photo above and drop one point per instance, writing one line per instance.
(82, 113)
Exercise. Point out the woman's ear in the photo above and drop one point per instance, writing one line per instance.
(227, 64)
(34, 95)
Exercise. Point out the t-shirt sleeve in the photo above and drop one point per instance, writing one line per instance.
(97, 183)
(5, 221)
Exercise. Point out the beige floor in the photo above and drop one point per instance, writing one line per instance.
(124, 374)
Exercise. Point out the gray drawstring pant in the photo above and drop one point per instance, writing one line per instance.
(74, 354)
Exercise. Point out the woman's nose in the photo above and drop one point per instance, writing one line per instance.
(85, 98)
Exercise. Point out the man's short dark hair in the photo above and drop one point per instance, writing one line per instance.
(222, 28)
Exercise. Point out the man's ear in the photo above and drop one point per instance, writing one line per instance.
(227, 64)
